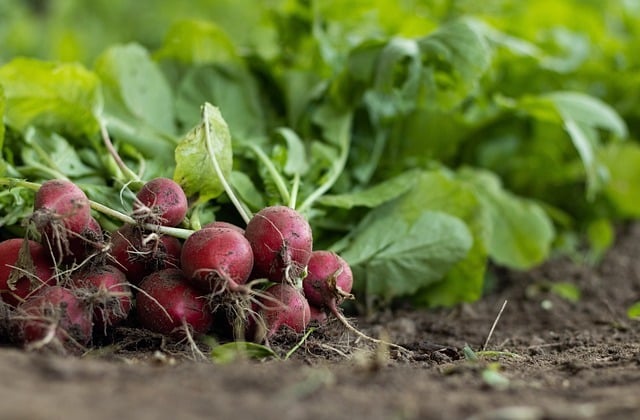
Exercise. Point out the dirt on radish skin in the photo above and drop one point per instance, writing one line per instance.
(61, 211)
(89, 241)
(217, 260)
(161, 201)
(282, 242)
(54, 319)
(329, 280)
(318, 315)
(283, 305)
(106, 292)
(139, 253)
(25, 267)
(166, 304)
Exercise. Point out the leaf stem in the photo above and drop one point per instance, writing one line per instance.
(177, 232)
(344, 140)
(172, 231)
(216, 166)
(131, 176)
(275, 175)
(299, 343)
(294, 191)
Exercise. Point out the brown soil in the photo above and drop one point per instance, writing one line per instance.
(548, 357)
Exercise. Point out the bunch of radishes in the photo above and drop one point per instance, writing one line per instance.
(68, 281)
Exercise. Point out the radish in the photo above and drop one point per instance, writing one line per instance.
(61, 211)
(106, 292)
(166, 304)
(328, 281)
(282, 241)
(139, 253)
(161, 201)
(318, 315)
(25, 267)
(283, 305)
(89, 241)
(217, 260)
(53, 319)
(219, 223)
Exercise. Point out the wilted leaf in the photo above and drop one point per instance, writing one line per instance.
(195, 170)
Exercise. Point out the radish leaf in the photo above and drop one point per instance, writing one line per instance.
(195, 171)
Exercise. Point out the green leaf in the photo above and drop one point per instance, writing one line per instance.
(622, 161)
(588, 110)
(63, 97)
(296, 155)
(3, 101)
(520, 232)
(232, 351)
(374, 196)
(495, 379)
(16, 204)
(195, 170)
(458, 54)
(245, 188)
(440, 191)
(633, 312)
(197, 42)
(229, 87)
(601, 235)
(580, 115)
(567, 291)
(133, 84)
(396, 258)
(51, 151)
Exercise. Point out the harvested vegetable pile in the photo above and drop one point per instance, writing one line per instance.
(68, 282)
(411, 143)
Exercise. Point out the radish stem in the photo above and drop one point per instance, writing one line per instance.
(216, 166)
(131, 176)
(275, 175)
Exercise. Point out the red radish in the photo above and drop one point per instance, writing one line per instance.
(106, 292)
(282, 241)
(89, 241)
(166, 303)
(161, 201)
(284, 305)
(328, 281)
(318, 315)
(61, 210)
(219, 223)
(25, 267)
(139, 253)
(53, 319)
(216, 260)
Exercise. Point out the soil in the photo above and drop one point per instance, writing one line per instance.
(549, 357)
